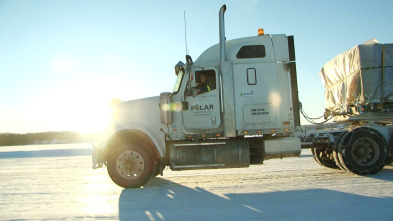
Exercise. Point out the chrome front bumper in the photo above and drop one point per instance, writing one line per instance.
(98, 156)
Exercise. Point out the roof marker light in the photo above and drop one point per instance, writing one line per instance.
(261, 32)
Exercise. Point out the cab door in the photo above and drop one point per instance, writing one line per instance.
(203, 110)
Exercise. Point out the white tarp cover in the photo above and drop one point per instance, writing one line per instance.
(354, 77)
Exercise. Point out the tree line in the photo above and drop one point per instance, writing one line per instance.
(12, 139)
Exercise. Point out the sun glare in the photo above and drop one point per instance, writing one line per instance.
(82, 106)
(88, 107)
(79, 100)
(275, 99)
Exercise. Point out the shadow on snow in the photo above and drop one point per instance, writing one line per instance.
(164, 200)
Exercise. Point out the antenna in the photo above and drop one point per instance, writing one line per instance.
(185, 31)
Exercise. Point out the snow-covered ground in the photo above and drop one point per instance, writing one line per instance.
(56, 182)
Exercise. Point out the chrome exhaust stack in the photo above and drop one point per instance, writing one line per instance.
(222, 32)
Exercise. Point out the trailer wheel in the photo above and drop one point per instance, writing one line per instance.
(130, 165)
(323, 157)
(363, 151)
(335, 150)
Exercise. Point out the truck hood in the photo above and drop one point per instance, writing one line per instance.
(142, 114)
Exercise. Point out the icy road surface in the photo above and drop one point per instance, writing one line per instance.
(55, 182)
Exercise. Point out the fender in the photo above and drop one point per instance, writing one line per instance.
(134, 134)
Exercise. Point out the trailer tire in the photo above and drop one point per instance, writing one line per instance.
(335, 150)
(130, 165)
(362, 151)
(322, 158)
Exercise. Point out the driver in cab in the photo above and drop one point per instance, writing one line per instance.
(203, 85)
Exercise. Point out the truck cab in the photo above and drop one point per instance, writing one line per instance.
(252, 97)
(235, 105)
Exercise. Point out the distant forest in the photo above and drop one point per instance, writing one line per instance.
(11, 139)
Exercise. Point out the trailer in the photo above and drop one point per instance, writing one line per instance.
(359, 98)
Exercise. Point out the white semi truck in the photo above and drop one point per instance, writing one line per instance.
(235, 105)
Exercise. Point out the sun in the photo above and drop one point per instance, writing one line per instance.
(87, 106)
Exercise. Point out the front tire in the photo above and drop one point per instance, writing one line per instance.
(130, 165)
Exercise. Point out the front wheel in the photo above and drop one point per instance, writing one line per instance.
(130, 166)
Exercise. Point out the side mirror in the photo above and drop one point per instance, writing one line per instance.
(178, 67)
(189, 60)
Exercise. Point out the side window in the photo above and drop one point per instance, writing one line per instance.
(205, 81)
(251, 51)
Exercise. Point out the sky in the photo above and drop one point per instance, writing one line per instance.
(62, 62)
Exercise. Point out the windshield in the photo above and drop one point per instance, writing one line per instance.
(178, 82)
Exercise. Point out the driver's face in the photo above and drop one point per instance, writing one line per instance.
(203, 78)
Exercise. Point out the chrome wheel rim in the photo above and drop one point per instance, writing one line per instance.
(130, 164)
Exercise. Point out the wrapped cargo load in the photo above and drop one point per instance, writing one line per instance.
(359, 80)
